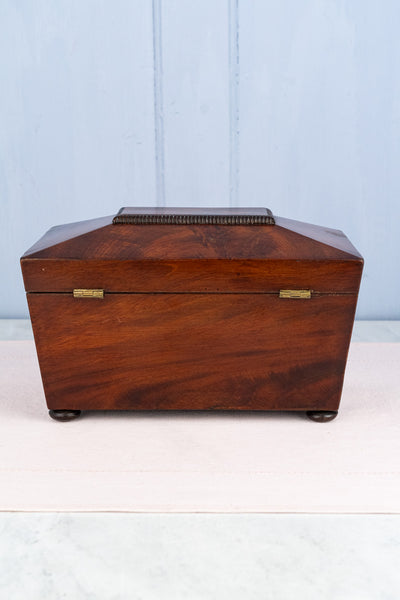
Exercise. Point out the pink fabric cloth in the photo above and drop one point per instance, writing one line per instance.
(203, 462)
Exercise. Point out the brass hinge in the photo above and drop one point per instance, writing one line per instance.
(78, 293)
(294, 293)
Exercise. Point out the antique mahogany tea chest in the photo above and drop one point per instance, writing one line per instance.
(192, 309)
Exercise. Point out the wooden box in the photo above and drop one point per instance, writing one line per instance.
(192, 309)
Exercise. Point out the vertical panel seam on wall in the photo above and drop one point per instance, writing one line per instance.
(158, 102)
(234, 124)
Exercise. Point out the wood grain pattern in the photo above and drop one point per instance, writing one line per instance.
(59, 275)
(197, 258)
(191, 316)
(157, 242)
(192, 351)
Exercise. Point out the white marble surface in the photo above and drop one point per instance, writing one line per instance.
(199, 557)
(364, 331)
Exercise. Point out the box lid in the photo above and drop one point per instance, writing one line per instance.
(197, 249)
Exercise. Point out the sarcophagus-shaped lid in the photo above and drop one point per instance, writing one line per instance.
(144, 249)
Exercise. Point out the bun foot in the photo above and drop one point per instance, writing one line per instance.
(322, 416)
(64, 415)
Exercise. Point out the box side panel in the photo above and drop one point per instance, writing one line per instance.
(192, 351)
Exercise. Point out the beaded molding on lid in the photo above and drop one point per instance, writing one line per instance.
(174, 219)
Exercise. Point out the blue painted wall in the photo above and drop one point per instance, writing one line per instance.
(289, 104)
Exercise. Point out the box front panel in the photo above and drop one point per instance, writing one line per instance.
(194, 276)
(192, 351)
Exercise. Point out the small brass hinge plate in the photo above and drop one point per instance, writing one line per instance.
(81, 293)
(294, 293)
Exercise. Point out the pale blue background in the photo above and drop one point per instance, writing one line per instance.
(291, 104)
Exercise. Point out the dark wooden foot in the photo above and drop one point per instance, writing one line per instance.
(64, 415)
(322, 416)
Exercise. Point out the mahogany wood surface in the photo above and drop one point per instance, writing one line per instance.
(195, 242)
(192, 351)
(191, 316)
(58, 275)
(198, 258)
(192, 210)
